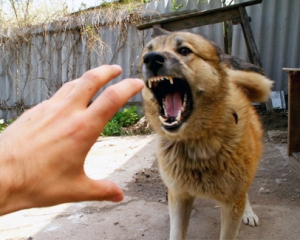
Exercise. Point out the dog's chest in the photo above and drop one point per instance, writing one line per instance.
(190, 169)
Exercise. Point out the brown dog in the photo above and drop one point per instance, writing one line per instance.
(209, 136)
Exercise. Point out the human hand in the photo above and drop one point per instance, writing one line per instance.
(43, 151)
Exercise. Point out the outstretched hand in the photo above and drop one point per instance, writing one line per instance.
(43, 151)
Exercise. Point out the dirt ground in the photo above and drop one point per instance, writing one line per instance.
(131, 162)
(274, 120)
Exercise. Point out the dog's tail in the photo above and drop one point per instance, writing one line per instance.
(256, 86)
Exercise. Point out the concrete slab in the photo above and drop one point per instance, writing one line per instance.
(130, 161)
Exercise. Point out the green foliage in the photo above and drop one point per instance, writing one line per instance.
(112, 129)
(175, 6)
(4, 125)
(125, 118)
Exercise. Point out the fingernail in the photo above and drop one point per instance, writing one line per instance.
(117, 66)
(139, 81)
(118, 197)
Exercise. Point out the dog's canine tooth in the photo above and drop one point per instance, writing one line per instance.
(149, 83)
(184, 101)
(163, 120)
(178, 117)
(171, 80)
(185, 97)
(163, 105)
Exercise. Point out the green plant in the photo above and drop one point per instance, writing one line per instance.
(175, 6)
(4, 124)
(125, 118)
(111, 129)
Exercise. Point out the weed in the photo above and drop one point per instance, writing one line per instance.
(176, 6)
(125, 118)
(4, 124)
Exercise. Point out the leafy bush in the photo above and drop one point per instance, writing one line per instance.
(125, 118)
(4, 125)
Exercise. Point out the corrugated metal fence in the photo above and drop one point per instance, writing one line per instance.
(31, 71)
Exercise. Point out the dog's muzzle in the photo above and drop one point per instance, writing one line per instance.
(173, 94)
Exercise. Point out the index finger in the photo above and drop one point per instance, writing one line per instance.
(112, 99)
(91, 81)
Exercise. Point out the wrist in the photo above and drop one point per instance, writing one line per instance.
(11, 189)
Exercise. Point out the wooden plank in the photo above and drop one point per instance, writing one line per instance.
(178, 16)
(248, 35)
(291, 69)
(251, 46)
(294, 161)
(294, 112)
(197, 21)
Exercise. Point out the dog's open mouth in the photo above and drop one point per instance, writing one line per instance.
(174, 98)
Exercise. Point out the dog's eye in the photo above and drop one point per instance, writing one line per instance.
(184, 51)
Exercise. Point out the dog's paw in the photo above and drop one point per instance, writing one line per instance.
(250, 218)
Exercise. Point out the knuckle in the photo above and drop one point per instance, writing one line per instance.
(70, 84)
(112, 96)
(90, 75)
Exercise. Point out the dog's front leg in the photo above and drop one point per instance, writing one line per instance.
(231, 217)
(180, 207)
(249, 217)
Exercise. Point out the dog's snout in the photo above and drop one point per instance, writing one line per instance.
(154, 60)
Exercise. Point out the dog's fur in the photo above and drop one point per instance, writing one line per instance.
(214, 150)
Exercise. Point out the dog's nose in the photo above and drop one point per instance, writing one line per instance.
(154, 60)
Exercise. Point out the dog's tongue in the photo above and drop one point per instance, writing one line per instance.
(173, 103)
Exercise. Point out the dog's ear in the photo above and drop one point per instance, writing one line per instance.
(157, 31)
(218, 50)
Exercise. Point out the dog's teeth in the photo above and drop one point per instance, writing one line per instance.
(171, 124)
(156, 79)
(178, 118)
(175, 123)
(163, 105)
(162, 119)
(184, 102)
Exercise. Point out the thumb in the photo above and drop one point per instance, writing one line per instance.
(100, 190)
